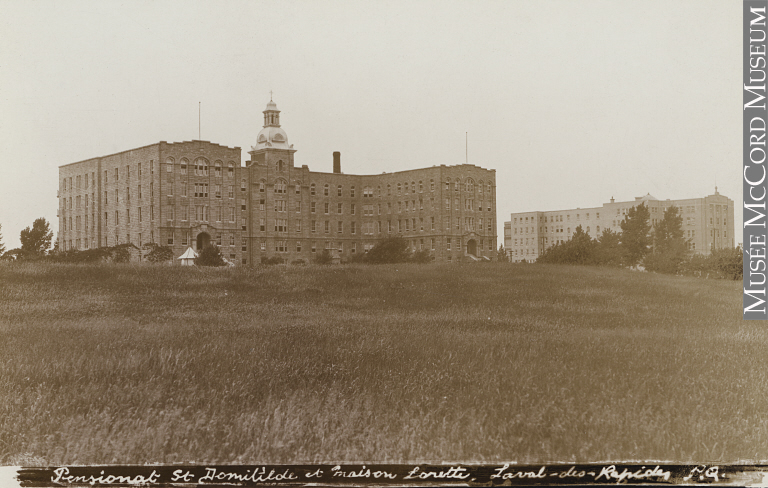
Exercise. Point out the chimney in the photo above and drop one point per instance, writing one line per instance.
(611, 199)
(336, 162)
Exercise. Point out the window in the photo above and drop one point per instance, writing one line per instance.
(231, 170)
(352, 191)
(338, 192)
(279, 205)
(312, 189)
(327, 227)
(183, 167)
(398, 188)
(353, 227)
(421, 187)
(312, 207)
(326, 190)
(389, 190)
(298, 189)
(339, 208)
(327, 208)
(298, 246)
(281, 225)
(367, 192)
(313, 226)
(298, 206)
(242, 184)
(448, 244)
(262, 225)
(340, 226)
(281, 187)
(279, 165)
(117, 175)
(352, 208)
(261, 186)
(262, 204)
(231, 191)
(298, 226)
(217, 191)
(432, 223)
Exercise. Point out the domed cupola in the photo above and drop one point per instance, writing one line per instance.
(271, 136)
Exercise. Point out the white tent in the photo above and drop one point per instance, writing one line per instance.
(188, 258)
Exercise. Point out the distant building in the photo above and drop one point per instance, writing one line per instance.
(707, 224)
(193, 193)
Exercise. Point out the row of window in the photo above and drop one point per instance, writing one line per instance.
(200, 167)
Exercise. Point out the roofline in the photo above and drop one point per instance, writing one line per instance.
(144, 147)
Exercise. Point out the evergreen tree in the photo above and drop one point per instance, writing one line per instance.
(635, 237)
(36, 241)
(210, 256)
(670, 248)
(581, 248)
(608, 250)
(2, 246)
(501, 254)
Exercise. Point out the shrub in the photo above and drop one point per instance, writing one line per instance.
(324, 257)
(272, 260)
(158, 253)
(421, 257)
(389, 250)
(299, 262)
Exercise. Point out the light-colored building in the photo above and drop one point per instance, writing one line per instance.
(192, 193)
(707, 224)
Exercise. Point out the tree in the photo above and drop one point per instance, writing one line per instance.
(579, 249)
(608, 251)
(635, 238)
(501, 254)
(670, 248)
(389, 250)
(2, 246)
(158, 253)
(36, 241)
(210, 256)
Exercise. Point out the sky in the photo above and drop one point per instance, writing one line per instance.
(571, 102)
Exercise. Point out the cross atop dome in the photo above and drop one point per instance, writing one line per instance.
(272, 136)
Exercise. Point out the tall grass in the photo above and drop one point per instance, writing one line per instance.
(395, 363)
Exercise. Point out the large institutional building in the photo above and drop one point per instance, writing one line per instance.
(193, 193)
(707, 224)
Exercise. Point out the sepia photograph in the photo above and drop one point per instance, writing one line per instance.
(374, 233)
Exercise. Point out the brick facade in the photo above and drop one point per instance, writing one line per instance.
(190, 193)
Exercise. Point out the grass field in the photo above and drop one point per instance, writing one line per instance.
(406, 363)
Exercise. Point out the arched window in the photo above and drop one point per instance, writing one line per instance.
(389, 190)
(231, 169)
(281, 187)
(432, 185)
(326, 190)
(456, 185)
(406, 187)
(469, 185)
(421, 186)
(201, 167)
(480, 186)
(217, 166)
(262, 186)
(184, 164)
(399, 188)
(448, 184)
(413, 187)
(312, 189)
